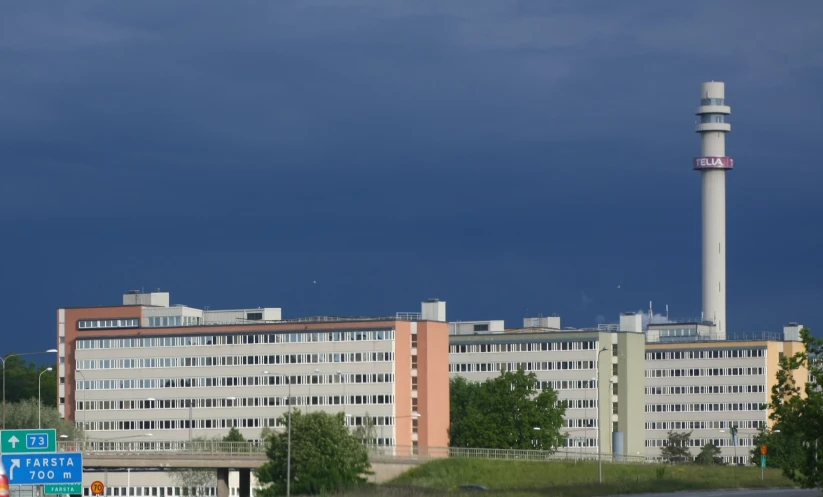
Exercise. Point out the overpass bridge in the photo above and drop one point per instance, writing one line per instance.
(387, 461)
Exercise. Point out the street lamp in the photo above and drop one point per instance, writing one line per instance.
(39, 398)
(599, 424)
(50, 351)
(288, 441)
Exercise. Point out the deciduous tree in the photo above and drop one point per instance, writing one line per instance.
(510, 411)
(325, 457)
(677, 447)
(797, 411)
(24, 415)
(709, 454)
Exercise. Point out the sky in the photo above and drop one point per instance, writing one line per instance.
(355, 158)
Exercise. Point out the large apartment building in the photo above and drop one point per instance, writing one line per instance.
(172, 372)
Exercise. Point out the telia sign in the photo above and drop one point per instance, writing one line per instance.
(713, 163)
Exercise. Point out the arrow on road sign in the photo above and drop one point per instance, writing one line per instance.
(15, 463)
(13, 441)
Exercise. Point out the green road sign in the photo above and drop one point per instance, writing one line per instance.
(65, 488)
(18, 441)
(762, 461)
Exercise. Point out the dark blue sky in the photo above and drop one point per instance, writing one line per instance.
(505, 156)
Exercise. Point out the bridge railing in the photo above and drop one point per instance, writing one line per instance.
(253, 449)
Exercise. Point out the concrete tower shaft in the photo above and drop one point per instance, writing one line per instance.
(712, 165)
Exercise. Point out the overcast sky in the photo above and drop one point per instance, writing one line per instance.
(509, 157)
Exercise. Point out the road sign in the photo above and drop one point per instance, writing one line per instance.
(762, 461)
(63, 488)
(97, 488)
(40, 469)
(22, 441)
(764, 450)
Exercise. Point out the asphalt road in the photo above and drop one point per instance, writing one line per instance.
(738, 493)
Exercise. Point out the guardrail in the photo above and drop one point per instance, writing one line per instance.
(254, 449)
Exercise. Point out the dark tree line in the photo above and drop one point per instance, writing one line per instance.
(22, 379)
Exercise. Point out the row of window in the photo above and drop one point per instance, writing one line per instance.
(580, 442)
(210, 491)
(213, 424)
(234, 360)
(669, 373)
(312, 400)
(706, 354)
(173, 321)
(704, 425)
(562, 345)
(224, 381)
(236, 339)
(705, 389)
(677, 332)
(527, 366)
(732, 406)
(89, 324)
(701, 442)
(579, 423)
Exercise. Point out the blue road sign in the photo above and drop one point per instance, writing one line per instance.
(44, 468)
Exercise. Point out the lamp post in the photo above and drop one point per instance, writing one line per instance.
(288, 440)
(599, 424)
(39, 397)
(50, 351)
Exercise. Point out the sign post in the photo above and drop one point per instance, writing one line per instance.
(97, 488)
(763, 451)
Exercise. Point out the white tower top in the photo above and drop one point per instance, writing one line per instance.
(712, 164)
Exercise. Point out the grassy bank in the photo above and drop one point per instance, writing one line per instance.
(569, 479)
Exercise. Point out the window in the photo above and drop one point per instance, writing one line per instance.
(481, 327)
(254, 316)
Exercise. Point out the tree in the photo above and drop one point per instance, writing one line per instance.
(709, 454)
(192, 479)
(367, 432)
(325, 456)
(510, 411)
(22, 381)
(234, 435)
(677, 447)
(797, 411)
(784, 452)
(25, 415)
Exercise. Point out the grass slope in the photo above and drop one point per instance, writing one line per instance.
(570, 479)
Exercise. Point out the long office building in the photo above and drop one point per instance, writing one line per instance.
(147, 370)
(655, 378)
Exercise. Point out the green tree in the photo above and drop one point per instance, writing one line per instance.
(797, 411)
(325, 457)
(676, 449)
(510, 411)
(24, 415)
(22, 381)
(783, 451)
(367, 432)
(192, 479)
(234, 435)
(709, 454)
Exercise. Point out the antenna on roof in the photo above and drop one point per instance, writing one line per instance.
(651, 313)
(667, 312)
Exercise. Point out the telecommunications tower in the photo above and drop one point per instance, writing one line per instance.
(713, 165)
